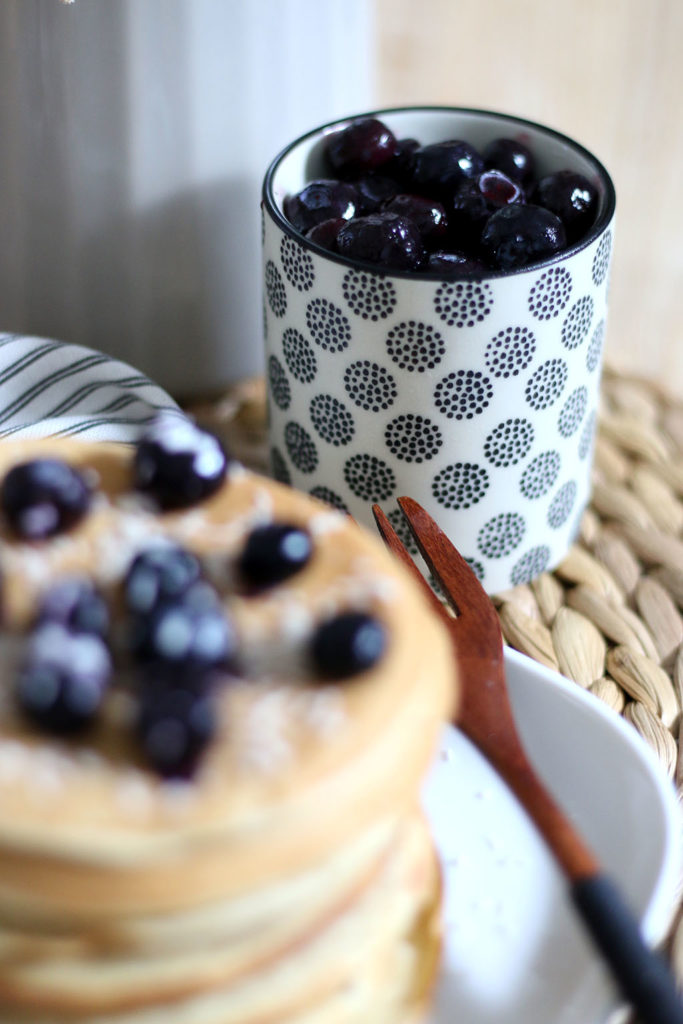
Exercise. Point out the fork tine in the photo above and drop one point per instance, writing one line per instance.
(398, 548)
(454, 575)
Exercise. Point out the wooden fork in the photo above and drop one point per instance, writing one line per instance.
(485, 717)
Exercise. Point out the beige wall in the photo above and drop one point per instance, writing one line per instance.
(607, 72)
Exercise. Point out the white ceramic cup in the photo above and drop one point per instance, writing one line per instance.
(477, 397)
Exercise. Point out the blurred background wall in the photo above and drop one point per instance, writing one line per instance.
(136, 132)
(607, 72)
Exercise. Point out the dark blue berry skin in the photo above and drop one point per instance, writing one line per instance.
(273, 553)
(348, 645)
(517, 235)
(320, 200)
(326, 232)
(76, 604)
(572, 198)
(439, 169)
(175, 726)
(43, 497)
(511, 157)
(363, 146)
(159, 574)
(178, 464)
(62, 679)
(390, 241)
(187, 637)
(400, 167)
(428, 215)
(455, 264)
(475, 201)
(374, 191)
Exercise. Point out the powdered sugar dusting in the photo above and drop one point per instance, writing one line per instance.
(134, 796)
(264, 746)
(323, 523)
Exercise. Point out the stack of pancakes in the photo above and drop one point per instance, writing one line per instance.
(292, 878)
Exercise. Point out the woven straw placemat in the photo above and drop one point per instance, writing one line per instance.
(609, 617)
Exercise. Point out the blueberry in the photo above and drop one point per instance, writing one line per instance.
(374, 190)
(400, 167)
(454, 264)
(326, 232)
(273, 553)
(364, 145)
(161, 573)
(320, 200)
(175, 726)
(517, 235)
(391, 241)
(572, 198)
(62, 679)
(43, 497)
(177, 463)
(188, 637)
(77, 604)
(439, 169)
(511, 157)
(476, 200)
(428, 215)
(347, 645)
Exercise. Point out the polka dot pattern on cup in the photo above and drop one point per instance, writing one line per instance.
(546, 384)
(602, 258)
(369, 478)
(540, 475)
(275, 290)
(501, 534)
(368, 296)
(463, 394)
(415, 346)
(297, 264)
(572, 412)
(562, 505)
(577, 322)
(279, 467)
(370, 386)
(329, 496)
(413, 438)
(328, 326)
(299, 356)
(509, 442)
(460, 485)
(550, 294)
(332, 420)
(510, 351)
(594, 351)
(476, 397)
(530, 565)
(463, 303)
(301, 447)
(279, 383)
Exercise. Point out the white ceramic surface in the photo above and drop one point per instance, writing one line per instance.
(135, 134)
(477, 397)
(514, 951)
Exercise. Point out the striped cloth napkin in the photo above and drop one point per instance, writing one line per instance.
(51, 388)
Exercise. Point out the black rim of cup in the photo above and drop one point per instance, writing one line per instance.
(604, 218)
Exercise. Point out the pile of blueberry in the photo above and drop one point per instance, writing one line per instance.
(445, 208)
(182, 643)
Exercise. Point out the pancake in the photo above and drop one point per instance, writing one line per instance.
(290, 877)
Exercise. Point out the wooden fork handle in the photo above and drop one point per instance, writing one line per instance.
(644, 976)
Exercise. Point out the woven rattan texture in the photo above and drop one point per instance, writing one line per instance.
(610, 616)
